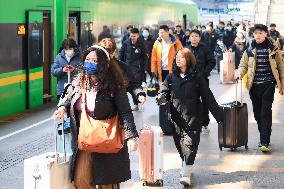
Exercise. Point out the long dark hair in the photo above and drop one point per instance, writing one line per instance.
(109, 77)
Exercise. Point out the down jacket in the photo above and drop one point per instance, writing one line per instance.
(248, 64)
(184, 95)
(57, 69)
(156, 60)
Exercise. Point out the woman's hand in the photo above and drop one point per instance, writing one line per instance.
(132, 145)
(59, 113)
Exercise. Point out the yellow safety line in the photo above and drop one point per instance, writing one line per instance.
(20, 78)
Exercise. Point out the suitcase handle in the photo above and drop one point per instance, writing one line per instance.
(56, 140)
(241, 91)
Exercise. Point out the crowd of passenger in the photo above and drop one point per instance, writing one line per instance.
(181, 62)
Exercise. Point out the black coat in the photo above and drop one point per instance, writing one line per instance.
(107, 168)
(229, 38)
(209, 39)
(184, 97)
(134, 55)
(205, 60)
(149, 42)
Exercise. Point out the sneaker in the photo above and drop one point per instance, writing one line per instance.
(205, 130)
(135, 108)
(185, 175)
(263, 147)
(143, 84)
(186, 181)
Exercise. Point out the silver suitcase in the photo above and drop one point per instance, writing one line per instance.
(49, 170)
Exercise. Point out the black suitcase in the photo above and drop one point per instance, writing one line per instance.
(234, 132)
(165, 119)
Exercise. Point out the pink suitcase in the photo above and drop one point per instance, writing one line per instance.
(227, 68)
(151, 156)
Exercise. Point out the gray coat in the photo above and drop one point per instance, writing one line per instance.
(107, 168)
(57, 69)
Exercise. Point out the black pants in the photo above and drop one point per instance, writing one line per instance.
(262, 96)
(164, 74)
(205, 111)
(134, 97)
(186, 143)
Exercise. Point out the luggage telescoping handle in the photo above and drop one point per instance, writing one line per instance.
(56, 140)
(241, 91)
(69, 76)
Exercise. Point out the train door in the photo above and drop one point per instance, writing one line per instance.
(74, 26)
(38, 57)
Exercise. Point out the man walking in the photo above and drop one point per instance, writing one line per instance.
(262, 62)
(163, 52)
(205, 62)
(133, 53)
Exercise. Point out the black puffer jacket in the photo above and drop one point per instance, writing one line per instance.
(134, 55)
(205, 59)
(184, 96)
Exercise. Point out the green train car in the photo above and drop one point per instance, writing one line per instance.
(32, 31)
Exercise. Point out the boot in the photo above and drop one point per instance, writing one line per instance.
(186, 175)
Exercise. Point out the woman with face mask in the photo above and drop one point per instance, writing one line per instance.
(103, 85)
(239, 46)
(149, 42)
(65, 63)
(230, 36)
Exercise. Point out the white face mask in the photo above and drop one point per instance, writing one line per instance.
(69, 53)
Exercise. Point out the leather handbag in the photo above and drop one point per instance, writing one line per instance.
(101, 136)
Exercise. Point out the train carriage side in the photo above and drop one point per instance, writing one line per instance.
(31, 37)
(23, 59)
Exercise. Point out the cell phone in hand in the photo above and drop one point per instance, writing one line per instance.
(69, 66)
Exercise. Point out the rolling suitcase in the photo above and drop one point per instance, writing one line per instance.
(151, 156)
(49, 170)
(227, 68)
(234, 132)
(165, 119)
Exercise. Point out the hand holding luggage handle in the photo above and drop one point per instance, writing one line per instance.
(56, 140)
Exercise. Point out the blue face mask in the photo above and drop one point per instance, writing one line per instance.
(90, 68)
(145, 34)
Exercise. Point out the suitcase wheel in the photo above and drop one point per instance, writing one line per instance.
(233, 149)
(144, 183)
(220, 147)
(246, 146)
(160, 182)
